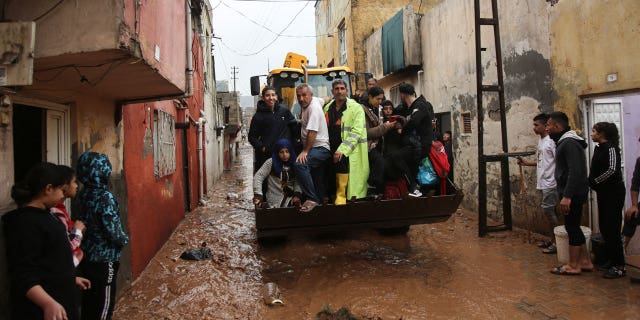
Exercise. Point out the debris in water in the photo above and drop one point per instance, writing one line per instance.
(232, 196)
(341, 314)
(271, 294)
(197, 254)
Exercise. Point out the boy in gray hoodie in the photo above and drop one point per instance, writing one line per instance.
(573, 187)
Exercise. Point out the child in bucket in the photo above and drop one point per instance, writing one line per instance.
(282, 191)
(104, 239)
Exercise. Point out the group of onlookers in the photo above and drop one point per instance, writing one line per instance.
(348, 149)
(562, 175)
(52, 258)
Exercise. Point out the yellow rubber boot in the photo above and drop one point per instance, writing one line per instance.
(342, 179)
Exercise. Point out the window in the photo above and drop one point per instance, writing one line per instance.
(466, 123)
(394, 93)
(227, 115)
(164, 146)
(342, 37)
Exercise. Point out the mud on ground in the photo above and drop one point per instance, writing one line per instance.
(437, 271)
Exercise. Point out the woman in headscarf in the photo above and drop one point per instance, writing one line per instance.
(282, 190)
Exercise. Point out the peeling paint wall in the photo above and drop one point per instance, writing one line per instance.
(448, 47)
(362, 18)
(589, 40)
(155, 205)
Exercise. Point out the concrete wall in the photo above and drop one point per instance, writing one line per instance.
(589, 40)
(448, 47)
(74, 26)
(411, 39)
(90, 26)
(552, 57)
(362, 19)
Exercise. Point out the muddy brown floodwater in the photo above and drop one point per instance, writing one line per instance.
(437, 271)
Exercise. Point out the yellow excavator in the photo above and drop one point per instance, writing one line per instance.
(294, 71)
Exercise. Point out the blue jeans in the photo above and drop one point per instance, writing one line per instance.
(310, 175)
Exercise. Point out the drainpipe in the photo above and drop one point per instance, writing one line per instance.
(420, 76)
(189, 68)
(201, 122)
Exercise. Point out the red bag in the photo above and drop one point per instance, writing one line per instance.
(439, 159)
(440, 163)
(395, 189)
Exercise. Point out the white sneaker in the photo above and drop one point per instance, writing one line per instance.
(415, 193)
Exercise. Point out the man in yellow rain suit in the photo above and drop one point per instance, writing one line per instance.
(348, 144)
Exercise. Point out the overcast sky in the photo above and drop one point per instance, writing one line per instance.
(242, 37)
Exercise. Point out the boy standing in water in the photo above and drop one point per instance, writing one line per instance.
(545, 173)
(104, 239)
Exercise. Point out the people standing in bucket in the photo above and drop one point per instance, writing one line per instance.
(545, 177)
(605, 178)
(348, 142)
(573, 187)
(311, 162)
(43, 277)
(104, 239)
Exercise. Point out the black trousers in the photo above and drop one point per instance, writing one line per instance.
(98, 302)
(376, 171)
(610, 204)
(402, 163)
(573, 219)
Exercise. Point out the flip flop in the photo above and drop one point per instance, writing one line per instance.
(544, 244)
(562, 271)
(308, 206)
(550, 249)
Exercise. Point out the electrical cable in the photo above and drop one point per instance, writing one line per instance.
(48, 11)
(274, 39)
(275, 33)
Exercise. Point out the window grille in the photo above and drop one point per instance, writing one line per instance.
(164, 144)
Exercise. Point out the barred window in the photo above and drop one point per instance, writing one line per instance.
(164, 144)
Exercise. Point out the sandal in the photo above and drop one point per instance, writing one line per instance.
(550, 249)
(562, 271)
(308, 206)
(544, 244)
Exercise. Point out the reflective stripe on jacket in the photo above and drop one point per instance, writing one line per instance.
(354, 146)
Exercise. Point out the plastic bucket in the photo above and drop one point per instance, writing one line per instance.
(562, 242)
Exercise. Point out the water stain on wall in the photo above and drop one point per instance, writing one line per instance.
(529, 74)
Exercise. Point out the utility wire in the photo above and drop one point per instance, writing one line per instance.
(48, 11)
(268, 29)
(274, 39)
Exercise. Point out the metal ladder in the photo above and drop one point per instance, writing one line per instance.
(484, 159)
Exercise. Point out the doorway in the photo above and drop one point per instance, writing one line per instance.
(624, 111)
(40, 133)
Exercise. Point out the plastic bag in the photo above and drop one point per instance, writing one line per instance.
(426, 174)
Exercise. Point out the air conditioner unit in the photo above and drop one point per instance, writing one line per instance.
(17, 42)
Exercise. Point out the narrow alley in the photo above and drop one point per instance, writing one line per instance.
(437, 271)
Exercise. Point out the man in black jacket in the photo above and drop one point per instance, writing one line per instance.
(271, 122)
(573, 186)
(418, 131)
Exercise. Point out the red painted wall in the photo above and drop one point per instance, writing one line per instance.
(195, 105)
(155, 206)
(162, 23)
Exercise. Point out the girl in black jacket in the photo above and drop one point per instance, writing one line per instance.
(605, 178)
(43, 276)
